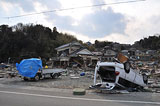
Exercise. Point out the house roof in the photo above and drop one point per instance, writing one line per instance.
(69, 44)
(124, 51)
(82, 51)
(97, 53)
(110, 52)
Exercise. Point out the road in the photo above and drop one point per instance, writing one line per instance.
(18, 96)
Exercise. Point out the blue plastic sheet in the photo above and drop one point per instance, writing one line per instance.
(29, 67)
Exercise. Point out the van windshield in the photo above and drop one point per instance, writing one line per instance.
(107, 73)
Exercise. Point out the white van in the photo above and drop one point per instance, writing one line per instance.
(118, 74)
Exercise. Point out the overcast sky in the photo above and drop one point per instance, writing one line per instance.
(123, 23)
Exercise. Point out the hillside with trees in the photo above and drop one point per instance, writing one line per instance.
(152, 43)
(25, 41)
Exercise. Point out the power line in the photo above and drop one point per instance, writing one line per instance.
(65, 9)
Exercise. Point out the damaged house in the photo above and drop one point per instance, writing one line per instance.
(109, 55)
(73, 54)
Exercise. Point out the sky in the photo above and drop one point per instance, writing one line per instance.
(124, 23)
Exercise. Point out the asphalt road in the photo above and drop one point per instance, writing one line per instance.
(15, 96)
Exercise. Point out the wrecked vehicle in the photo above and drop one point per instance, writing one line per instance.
(118, 74)
(31, 69)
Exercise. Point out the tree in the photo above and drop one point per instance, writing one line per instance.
(27, 40)
(152, 42)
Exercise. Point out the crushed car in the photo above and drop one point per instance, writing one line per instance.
(119, 74)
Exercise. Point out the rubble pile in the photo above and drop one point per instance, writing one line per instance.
(2, 74)
(8, 72)
(154, 84)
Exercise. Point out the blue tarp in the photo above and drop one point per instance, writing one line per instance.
(29, 67)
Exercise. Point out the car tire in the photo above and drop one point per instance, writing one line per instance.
(127, 67)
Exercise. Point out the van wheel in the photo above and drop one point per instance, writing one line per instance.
(127, 67)
(37, 78)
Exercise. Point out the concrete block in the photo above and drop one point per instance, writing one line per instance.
(79, 91)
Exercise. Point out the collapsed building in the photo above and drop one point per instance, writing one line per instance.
(74, 54)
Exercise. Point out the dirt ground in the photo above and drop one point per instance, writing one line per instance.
(64, 82)
(69, 80)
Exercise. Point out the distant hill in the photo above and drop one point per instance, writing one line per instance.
(25, 41)
(152, 42)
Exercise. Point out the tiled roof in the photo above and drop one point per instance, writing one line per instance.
(69, 44)
(76, 52)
